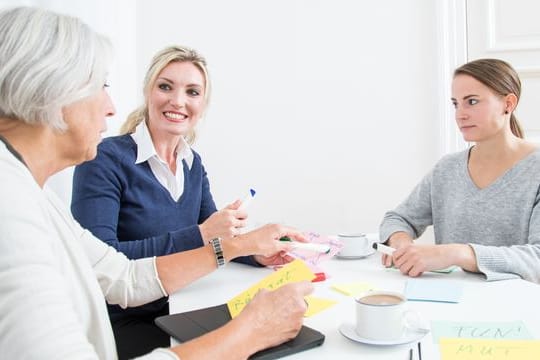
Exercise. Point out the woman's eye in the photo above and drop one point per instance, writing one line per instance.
(164, 86)
(454, 104)
(473, 101)
(193, 92)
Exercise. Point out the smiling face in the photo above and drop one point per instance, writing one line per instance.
(176, 100)
(86, 121)
(480, 113)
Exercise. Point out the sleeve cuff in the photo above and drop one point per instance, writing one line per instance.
(157, 277)
(188, 238)
(492, 266)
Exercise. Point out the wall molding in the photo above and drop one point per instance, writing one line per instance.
(495, 43)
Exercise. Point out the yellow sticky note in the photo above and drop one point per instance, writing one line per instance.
(316, 305)
(294, 271)
(354, 288)
(474, 349)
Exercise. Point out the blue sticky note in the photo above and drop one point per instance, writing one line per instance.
(433, 290)
(507, 330)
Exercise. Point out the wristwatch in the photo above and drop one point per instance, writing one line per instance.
(218, 252)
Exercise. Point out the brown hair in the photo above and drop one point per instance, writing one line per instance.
(500, 77)
(159, 62)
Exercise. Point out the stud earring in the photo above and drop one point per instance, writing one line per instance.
(506, 111)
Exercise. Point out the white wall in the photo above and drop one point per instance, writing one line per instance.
(327, 108)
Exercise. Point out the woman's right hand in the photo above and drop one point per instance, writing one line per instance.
(264, 241)
(397, 240)
(224, 223)
(273, 317)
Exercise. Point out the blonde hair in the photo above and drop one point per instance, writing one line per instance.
(500, 77)
(159, 62)
(48, 61)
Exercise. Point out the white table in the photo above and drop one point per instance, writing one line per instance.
(508, 300)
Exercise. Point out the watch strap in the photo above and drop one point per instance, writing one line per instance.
(218, 252)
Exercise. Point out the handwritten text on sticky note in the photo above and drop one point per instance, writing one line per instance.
(295, 271)
(479, 330)
(479, 349)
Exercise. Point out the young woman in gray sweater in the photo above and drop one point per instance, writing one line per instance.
(482, 202)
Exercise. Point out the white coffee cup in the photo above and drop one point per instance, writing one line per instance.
(354, 245)
(381, 315)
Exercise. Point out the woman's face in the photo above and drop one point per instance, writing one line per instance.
(86, 121)
(480, 113)
(176, 100)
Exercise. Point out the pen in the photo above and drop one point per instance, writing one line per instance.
(247, 200)
(321, 248)
(383, 248)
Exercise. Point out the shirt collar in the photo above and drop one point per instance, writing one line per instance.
(146, 149)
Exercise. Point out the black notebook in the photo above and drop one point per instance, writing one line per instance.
(188, 325)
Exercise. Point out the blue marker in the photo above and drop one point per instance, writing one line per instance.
(247, 200)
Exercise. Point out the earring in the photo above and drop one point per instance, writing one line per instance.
(506, 112)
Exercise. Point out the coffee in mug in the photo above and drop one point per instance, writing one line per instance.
(380, 315)
(380, 299)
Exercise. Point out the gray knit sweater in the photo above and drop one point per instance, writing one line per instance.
(501, 222)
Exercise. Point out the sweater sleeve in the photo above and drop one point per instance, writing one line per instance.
(208, 206)
(96, 201)
(515, 261)
(413, 215)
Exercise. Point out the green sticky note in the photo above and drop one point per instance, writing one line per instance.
(479, 330)
(447, 270)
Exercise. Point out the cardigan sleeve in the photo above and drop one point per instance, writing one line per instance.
(37, 316)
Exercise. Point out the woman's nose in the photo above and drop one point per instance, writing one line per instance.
(177, 99)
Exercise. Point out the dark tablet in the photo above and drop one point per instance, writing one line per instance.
(188, 325)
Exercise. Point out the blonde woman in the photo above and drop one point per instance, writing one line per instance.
(147, 192)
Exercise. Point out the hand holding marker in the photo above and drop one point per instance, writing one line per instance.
(321, 248)
(247, 200)
(383, 248)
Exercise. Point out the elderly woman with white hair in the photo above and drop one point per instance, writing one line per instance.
(53, 273)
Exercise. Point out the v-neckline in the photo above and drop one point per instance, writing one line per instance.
(502, 178)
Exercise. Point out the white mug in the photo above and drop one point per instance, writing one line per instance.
(354, 245)
(381, 315)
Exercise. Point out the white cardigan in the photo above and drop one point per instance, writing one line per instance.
(55, 276)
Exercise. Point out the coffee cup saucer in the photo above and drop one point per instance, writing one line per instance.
(347, 329)
(369, 252)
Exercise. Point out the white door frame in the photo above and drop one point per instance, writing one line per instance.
(452, 36)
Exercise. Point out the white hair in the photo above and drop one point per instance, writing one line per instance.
(48, 61)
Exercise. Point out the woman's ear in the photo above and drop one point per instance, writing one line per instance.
(510, 103)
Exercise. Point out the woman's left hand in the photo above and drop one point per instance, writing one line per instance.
(280, 258)
(415, 259)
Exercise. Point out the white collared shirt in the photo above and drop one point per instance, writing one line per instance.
(174, 183)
